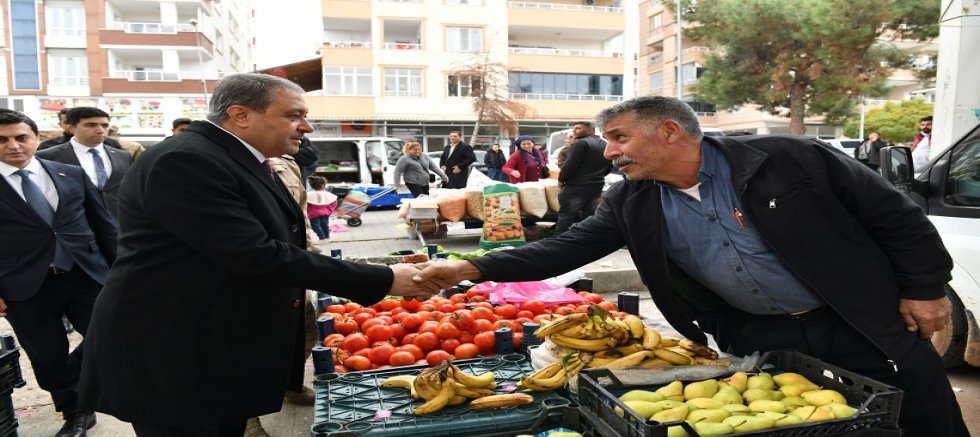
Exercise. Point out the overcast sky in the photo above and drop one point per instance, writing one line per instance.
(287, 31)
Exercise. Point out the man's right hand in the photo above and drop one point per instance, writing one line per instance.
(446, 274)
(515, 173)
(404, 284)
(3, 308)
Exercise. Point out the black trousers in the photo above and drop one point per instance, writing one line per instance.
(37, 323)
(929, 406)
(576, 202)
(456, 180)
(230, 429)
(416, 189)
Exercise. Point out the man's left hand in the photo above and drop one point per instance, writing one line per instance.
(925, 316)
(456, 169)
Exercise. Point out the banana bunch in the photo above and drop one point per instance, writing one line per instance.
(553, 376)
(446, 384)
(591, 332)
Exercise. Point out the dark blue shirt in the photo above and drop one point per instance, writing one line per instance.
(717, 245)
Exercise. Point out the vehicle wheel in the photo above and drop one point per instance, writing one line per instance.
(950, 342)
(354, 222)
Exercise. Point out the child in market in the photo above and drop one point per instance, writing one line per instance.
(320, 203)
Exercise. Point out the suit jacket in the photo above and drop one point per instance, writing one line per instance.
(51, 142)
(119, 159)
(463, 156)
(585, 162)
(81, 223)
(199, 321)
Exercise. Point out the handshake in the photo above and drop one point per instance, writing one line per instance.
(421, 281)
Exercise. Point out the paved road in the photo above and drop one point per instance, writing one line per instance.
(379, 235)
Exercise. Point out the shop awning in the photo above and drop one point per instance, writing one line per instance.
(307, 74)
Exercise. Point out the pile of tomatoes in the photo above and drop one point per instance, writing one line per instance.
(397, 332)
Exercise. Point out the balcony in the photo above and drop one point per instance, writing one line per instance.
(154, 35)
(402, 46)
(143, 27)
(153, 82)
(566, 7)
(147, 76)
(566, 52)
(347, 44)
(578, 97)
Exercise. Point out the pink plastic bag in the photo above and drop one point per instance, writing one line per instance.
(519, 292)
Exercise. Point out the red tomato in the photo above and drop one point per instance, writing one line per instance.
(398, 331)
(427, 307)
(401, 358)
(470, 293)
(435, 316)
(345, 326)
(582, 308)
(389, 304)
(333, 340)
(522, 320)
(525, 314)
(416, 351)
(460, 306)
(379, 332)
(619, 314)
(593, 297)
(534, 306)
(458, 298)
(427, 341)
(428, 326)
(607, 305)
(392, 342)
(422, 362)
(355, 342)
(480, 325)
(507, 311)
(351, 306)
(336, 309)
(410, 305)
(360, 318)
(365, 310)
(483, 313)
(465, 337)
(447, 330)
(449, 345)
(563, 311)
(437, 356)
(399, 310)
(514, 327)
(339, 369)
(363, 352)
(411, 321)
(447, 307)
(339, 355)
(381, 354)
(485, 340)
(478, 298)
(410, 338)
(466, 350)
(483, 305)
(357, 363)
(541, 318)
(369, 323)
(518, 339)
(463, 319)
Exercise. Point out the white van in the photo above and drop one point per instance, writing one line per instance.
(358, 160)
(948, 189)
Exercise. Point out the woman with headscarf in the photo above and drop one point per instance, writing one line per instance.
(869, 151)
(415, 167)
(526, 164)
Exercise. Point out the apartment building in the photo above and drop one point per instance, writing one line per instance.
(390, 67)
(145, 62)
(657, 72)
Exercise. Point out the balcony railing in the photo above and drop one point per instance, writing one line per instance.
(565, 7)
(402, 46)
(401, 1)
(403, 93)
(347, 44)
(141, 27)
(696, 49)
(566, 52)
(146, 75)
(542, 96)
(66, 32)
(68, 81)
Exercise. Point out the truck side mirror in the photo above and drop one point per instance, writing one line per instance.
(896, 166)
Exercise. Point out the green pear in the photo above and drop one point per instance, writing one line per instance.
(671, 415)
(797, 389)
(737, 409)
(642, 395)
(565, 434)
(811, 413)
(789, 420)
(677, 431)
(762, 381)
(673, 391)
(667, 404)
(701, 389)
(709, 429)
(642, 408)
(708, 415)
(778, 395)
(823, 397)
(764, 405)
(755, 394)
(772, 415)
(728, 395)
(704, 403)
(793, 402)
(750, 423)
(787, 378)
(803, 412)
(722, 384)
(840, 410)
(739, 380)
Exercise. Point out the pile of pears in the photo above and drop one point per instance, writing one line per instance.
(740, 403)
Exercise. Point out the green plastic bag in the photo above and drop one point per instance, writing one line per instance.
(502, 217)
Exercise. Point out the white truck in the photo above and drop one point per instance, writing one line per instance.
(948, 190)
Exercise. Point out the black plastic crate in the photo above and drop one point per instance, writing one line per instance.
(571, 417)
(347, 404)
(879, 403)
(8, 419)
(10, 376)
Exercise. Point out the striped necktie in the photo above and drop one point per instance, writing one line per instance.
(100, 173)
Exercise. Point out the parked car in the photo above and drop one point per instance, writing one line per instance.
(479, 165)
(846, 145)
(948, 190)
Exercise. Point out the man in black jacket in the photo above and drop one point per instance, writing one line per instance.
(456, 160)
(582, 176)
(766, 242)
(65, 135)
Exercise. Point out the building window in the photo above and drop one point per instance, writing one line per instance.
(69, 70)
(347, 81)
(656, 81)
(14, 103)
(566, 84)
(23, 35)
(464, 39)
(656, 21)
(464, 85)
(690, 72)
(464, 2)
(65, 21)
(403, 82)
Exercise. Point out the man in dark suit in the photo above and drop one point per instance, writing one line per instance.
(212, 249)
(57, 241)
(105, 166)
(582, 176)
(66, 135)
(456, 161)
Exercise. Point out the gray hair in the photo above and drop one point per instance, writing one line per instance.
(252, 90)
(650, 111)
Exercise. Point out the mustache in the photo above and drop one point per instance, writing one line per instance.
(623, 160)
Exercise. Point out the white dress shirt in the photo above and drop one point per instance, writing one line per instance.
(38, 175)
(88, 163)
(255, 152)
(920, 156)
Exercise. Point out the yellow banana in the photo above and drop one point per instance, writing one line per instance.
(428, 384)
(670, 342)
(680, 350)
(599, 362)
(555, 382)
(402, 381)
(698, 349)
(595, 345)
(713, 362)
(673, 357)
(456, 400)
(630, 360)
(619, 330)
(547, 371)
(440, 401)
(470, 392)
(651, 338)
(636, 326)
(653, 363)
(501, 401)
(577, 331)
(483, 381)
(561, 324)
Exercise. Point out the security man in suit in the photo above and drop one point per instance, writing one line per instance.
(57, 241)
(199, 326)
(66, 135)
(105, 166)
(456, 160)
